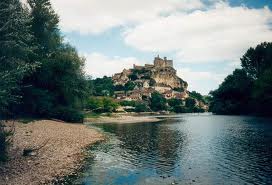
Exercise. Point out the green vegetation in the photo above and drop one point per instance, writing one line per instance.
(247, 90)
(101, 86)
(41, 76)
(187, 106)
(141, 107)
(157, 102)
(128, 103)
(5, 140)
(101, 104)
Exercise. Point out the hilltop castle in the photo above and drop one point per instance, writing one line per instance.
(159, 76)
(158, 63)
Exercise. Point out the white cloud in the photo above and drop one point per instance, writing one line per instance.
(222, 33)
(96, 16)
(201, 81)
(98, 65)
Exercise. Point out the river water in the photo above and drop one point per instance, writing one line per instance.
(183, 149)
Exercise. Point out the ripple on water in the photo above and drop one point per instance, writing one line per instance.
(189, 149)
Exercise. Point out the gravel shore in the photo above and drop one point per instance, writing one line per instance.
(62, 153)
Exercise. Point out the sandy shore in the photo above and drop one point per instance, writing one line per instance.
(122, 119)
(62, 154)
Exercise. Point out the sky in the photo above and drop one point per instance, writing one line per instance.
(205, 38)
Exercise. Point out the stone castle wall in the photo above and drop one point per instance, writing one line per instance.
(162, 63)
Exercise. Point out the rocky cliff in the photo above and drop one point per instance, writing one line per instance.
(160, 75)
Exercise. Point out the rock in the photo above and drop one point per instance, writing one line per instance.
(161, 74)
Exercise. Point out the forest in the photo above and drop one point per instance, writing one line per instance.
(248, 90)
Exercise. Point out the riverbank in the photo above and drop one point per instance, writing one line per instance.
(122, 119)
(61, 153)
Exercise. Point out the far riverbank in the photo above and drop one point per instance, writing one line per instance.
(124, 118)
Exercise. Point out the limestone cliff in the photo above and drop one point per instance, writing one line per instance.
(160, 75)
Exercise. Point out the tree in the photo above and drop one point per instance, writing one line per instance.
(257, 60)
(197, 96)
(157, 102)
(44, 26)
(16, 50)
(176, 105)
(141, 107)
(262, 93)
(233, 95)
(174, 102)
(60, 80)
(129, 86)
(102, 86)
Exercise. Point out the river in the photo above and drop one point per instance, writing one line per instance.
(183, 149)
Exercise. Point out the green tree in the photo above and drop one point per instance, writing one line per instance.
(262, 93)
(174, 102)
(141, 107)
(102, 86)
(16, 50)
(157, 102)
(233, 95)
(60, 80)
(257, 60)
(129, 86)
(197, 96)
(109, 104)
(44, 26)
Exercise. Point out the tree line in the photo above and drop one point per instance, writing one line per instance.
(247, 90)
(41, 75)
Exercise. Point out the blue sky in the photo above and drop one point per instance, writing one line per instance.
(205, 38)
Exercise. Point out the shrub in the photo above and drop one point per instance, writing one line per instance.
(141, 107)
(5, 140)
(180, 109)
(101, 104)
(68, 114)
(128, 103)
(157, 102)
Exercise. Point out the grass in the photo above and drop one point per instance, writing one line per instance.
(26, 120)
(91, 115)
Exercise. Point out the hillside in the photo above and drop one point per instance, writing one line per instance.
(141, 81)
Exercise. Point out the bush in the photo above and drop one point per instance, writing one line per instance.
(180, 109)
(101, 104)
(141, 107)
(128, 103)
(68, 114)
(174, 102)
(157, 102)
(5, 140)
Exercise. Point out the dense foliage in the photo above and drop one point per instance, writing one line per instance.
(157, 102)
(101, 104)
(181, 106)
(247, 90)
(16, 58)
(40, 75)
(101, 86)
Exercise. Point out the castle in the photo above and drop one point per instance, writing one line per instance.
(158, 63)
(159, 76)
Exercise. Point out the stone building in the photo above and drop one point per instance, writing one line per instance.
(162, 63)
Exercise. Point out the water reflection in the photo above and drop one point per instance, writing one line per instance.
(188, 149)
(151, 145)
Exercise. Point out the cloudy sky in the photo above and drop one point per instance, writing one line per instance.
(205, 38)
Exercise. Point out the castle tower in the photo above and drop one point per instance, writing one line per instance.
(162, 63)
